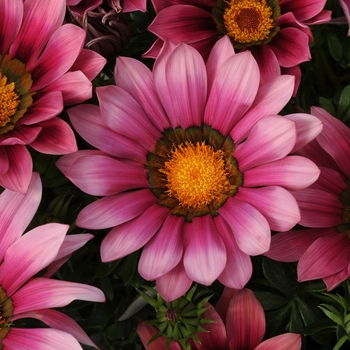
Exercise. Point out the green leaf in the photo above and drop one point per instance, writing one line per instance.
(279, 276)
(270, 301)
(107, 287)
(306, 313)
(327, 105)
(332, 313)
(130, 267)
(343, 111)
(334, 46)
(341, 342)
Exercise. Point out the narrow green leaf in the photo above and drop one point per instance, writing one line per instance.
(341, 342)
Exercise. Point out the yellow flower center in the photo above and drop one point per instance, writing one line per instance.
(9, 100)
(196, 175)
(248, 21)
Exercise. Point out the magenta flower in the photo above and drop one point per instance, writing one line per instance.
(239, 324)
(276, 32)
(24, 296)
(82, 6)
(192, 163)
(42, 68)
(323, 250)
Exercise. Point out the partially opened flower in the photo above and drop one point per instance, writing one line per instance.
(276, 32)
(24, 296)
(106, 26)
(322, 249)
(239, 325)
(42, 68)
(192, 163)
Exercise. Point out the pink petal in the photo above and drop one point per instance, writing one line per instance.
(267, 61)
(58, 56)
(89, 62)
(4, 161)
(146, 332)
(39, 338)
(318, 208)
(215, 338)
(65, 162)
(334, 139)
(101, 175)
(30, 254)
(326, 256)
(277, 205)
(220, 52)
(137, 79)
(134, 234)
(334, 280)
(11, 15)
(233, 92)
(163, 251)
(174, 284)
(287, 341)
(121, 113)
(250, 228)
(302, 9)
(18, 175)
(270, 99)
(56, 137)
(59, 321)
(50, 105)
(291, 172)
(17, 210)
(238, 269)
(291, 47)
(115, 210)
(21, 135)
(181, 83)
(43, 293)
(87, 121)
(40, 20)
(245, 320)
(330, 181)
(70, 244)
(135, 5)
(290, 246)
(307, 127)
(224, 301)
(67, 84)
(346, 9)
(270, 139)
(205, 253)
(183, 23)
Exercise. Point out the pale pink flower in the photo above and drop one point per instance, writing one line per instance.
(323, 249)
(43, 67)
(192, 165)
(276, 32)
(239, 324)
(24, 296)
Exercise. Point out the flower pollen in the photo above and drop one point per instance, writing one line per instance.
(9, 100)
(248, 21)
(196, 174)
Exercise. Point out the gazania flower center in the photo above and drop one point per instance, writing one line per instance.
(9, 100)
(248, 21)
(6, 312)
(15, 95)
(192, 171)
(196, 174)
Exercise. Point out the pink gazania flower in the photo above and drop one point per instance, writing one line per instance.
(82, 6)
(239, 324)
(322, 249)
(276, 32)
(192, 165)
(42, 68)
(24, 296)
